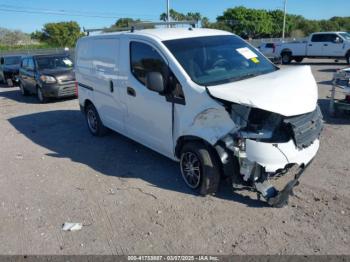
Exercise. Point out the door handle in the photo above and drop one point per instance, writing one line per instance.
(111, 86)
(310, 44)
(325, 45)
(130, 91)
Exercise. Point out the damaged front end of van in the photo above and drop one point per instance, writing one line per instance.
(275, 135)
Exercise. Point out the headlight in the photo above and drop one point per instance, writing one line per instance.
(48, 79)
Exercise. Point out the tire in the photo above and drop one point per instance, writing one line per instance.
(9, 82)
(24, 91)
(200, 168)
(286, 58)
(298, 59)
(347, 57)
(39, 93)
(94, 122)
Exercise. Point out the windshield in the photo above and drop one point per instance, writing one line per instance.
(13, 60)
(346, 36)
(214, 60)
(58, 62)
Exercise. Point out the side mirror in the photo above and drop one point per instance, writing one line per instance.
(155, 82)
(338, 40)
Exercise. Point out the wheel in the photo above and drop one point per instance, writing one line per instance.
(40, 95)
(9, 82)
(286, 58)
(348, 58)
(200, 168)
(24, 91)
(94, 122)
(298, 59)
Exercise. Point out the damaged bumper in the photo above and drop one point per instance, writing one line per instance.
(273, 156)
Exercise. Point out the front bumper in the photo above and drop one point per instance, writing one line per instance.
(275, 156)
(59, 90)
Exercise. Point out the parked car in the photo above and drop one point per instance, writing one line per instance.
(9, 68)
(47, 76)
(207, 99)
(270, 51)
(318, 45)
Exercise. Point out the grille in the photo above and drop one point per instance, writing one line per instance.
(305, 128)
(66, 89)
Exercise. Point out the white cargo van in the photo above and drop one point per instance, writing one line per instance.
(207, 99)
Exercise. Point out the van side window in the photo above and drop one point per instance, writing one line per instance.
(25, 63)
(144, 59)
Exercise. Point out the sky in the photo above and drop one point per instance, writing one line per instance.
(31, 15)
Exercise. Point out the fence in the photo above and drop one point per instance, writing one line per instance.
(42, 51)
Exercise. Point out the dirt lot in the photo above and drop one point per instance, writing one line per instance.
(132, 200)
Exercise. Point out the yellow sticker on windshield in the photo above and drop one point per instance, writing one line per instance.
(255, 60)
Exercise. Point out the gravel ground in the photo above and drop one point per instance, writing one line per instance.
(132, 200)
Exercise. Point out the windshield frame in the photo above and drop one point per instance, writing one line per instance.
(37, 65)
(219, 44)
(345, 36)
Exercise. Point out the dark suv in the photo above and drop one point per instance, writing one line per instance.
(9, 67)
(47, 76)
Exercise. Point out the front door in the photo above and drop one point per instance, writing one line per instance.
(315, 46)
(149, 115)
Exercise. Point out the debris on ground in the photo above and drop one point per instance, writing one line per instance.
(72, 226)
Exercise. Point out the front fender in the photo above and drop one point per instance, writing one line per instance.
(210, 125)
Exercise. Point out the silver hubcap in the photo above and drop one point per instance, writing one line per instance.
(285, 58)
(190, 169)
(92, 120)
(22, 89)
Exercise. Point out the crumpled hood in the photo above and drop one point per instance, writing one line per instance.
(288, 92)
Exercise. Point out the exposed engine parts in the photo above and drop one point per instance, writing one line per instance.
(283, 138)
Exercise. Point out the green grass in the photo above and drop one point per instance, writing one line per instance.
(25, 47)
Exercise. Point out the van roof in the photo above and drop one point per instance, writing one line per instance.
(164, 34)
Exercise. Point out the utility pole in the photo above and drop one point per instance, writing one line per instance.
(168, 10)
(284, 19)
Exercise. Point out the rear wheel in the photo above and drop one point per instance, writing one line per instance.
(200, 168)
(298, 59)
(286, 57)
(24, 92)
(94, 122)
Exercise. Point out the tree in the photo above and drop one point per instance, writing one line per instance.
(60, 34)
(247, 22)
(13, 37)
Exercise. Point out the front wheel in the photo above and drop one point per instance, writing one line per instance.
(9, 82)
(200, 168)
(24, 91)
(41, 97)
(286, 58)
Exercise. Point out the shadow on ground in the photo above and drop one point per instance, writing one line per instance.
(65, 133)
(16, 95)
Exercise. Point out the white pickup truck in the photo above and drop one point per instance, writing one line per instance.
(318, 45)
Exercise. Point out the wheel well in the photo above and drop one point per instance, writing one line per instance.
(347, 53)
(181, 141)
(286, 51)
(86, 103)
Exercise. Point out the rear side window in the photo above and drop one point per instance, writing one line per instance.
(324, 38)
(144, 59)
